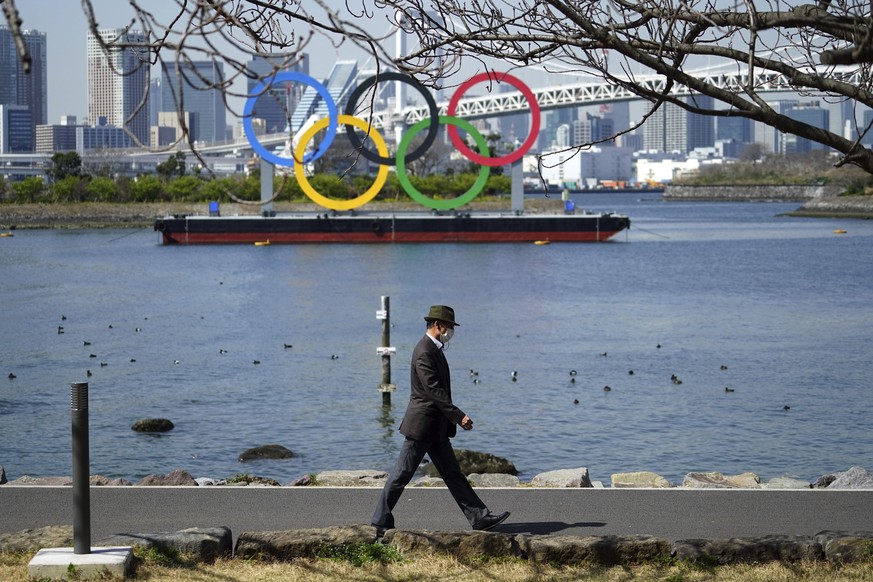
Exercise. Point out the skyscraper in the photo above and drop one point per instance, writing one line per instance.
(118, 81)
(672, 128)
(33, 86)
(189, 87)
(26, 90)
(275, 105)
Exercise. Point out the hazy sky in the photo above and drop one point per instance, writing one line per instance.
(64, 23)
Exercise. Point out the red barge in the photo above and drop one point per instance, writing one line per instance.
(391, 227)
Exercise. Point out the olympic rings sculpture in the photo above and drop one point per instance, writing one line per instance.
(334, 119)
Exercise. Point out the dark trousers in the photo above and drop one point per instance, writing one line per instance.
(443, 457)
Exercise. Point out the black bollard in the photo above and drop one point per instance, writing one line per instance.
(81, 486)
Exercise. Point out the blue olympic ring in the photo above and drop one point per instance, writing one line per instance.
(259, 89)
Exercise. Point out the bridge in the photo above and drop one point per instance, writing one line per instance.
(589, 91)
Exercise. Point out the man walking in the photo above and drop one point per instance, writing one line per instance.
(428, 425)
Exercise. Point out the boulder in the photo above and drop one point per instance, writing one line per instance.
(785, 483)
(823, 481)
(716, 480)
(606, 550)
(476, 462)
(301, 543)
(493, 480)
(174, 479)
(854, 478)
(266, 452)
(639, 479)
(246, 480)
(3, 480)
(365, 478)
(845, 547)
(462, 545)
(301, 481)
(428, 482)
(204, 544)
(208, 481)
(750, 550)
(153, 425)
(31, 540)
(563, 478)
(101, 481)
(50, 481)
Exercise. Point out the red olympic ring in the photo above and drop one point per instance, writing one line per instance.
(535, 119)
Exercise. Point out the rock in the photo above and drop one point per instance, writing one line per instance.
(639, 479)
(31, 540)
(493, 480)
(476, 462)
(3, 480)
(246, 480)
(462, 545)
(563, 478)
(205, 544)
(854, 478)
(208, 482)
(606, 550)
(266, 452)
(301, 543)
(51, 481)
(845, 547)
(428, 482)
(101, 481)
(174, 479)
(750, 550)
(301, 481)
(153, 425)
(785, 483)
(716, 480)
(364, 478)
(823, 481)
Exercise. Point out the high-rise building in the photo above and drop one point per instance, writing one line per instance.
(810, 113)
(735, 128)
(276, 105)
(194, 88)
(118, 80)
(674, 129)
(33, 86)
(30, 89)
(16, 129)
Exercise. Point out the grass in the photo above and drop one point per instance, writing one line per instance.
(373, 562)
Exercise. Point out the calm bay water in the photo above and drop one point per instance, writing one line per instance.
(783, 303)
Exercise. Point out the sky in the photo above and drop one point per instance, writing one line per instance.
(66, 30)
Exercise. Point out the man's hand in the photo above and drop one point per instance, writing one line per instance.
(466, 423)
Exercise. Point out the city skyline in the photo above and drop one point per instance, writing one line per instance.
(67, 48)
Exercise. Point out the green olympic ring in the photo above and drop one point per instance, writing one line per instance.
(452, 203)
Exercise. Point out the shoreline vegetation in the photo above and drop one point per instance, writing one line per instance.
(816, 202)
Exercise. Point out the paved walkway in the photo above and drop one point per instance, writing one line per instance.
(671, 514)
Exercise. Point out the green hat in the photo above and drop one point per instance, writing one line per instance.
(441, 313)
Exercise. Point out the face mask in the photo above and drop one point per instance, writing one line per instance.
(445, 338)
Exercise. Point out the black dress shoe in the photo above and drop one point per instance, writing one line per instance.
(380, 531)
(490, 521)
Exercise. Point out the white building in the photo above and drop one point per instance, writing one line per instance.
(118, 81)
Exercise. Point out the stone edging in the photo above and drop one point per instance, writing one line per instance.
(206, 544)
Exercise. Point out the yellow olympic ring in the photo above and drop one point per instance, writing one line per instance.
(318, 198)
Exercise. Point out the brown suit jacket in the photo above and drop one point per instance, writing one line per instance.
(430, 415)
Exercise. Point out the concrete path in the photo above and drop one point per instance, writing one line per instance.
(671, 514)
